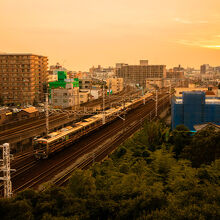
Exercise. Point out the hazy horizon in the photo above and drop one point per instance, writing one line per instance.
(80, 34)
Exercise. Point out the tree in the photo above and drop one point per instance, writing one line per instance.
(82, 184)
(204, 147)
(180, 138)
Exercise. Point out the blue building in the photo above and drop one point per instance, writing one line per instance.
(194, 108)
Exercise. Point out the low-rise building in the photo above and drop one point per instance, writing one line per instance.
(194, 108)
(30, 112)
(84, 96)
(53, 72)
(154, 83)
(65, 97)
(96, 93)
(5, 116)
(102, 73)
(115, 85)
(209, 91)
(85, 83)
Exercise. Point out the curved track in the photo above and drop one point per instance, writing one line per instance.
(31, 173)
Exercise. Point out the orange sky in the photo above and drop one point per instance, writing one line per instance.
(82, 33)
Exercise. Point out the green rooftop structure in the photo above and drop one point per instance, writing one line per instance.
(62, 82)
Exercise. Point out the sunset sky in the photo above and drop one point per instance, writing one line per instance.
(82, 33)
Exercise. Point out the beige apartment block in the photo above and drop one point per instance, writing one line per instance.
(23, 78)
(65, 97)
(154, 83)
(138, 74)
(115, 84)
(84, 96)
(170, 74)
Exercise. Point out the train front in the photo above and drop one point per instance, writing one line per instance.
(40, 148)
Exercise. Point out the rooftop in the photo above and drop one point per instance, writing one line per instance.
(30, 110)
(20, 54)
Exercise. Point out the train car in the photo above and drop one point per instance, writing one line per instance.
(55, 141)
(44, 146)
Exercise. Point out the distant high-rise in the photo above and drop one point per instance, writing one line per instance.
(23, 78)
(138, 74)
(204, 68)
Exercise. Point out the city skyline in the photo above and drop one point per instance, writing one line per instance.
(80, 34)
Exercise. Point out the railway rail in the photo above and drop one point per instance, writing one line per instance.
(13, 132)
(103, 152)
(34, 173)
(17, 131)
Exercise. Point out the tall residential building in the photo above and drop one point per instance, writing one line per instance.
(23, 78)
(138, 74)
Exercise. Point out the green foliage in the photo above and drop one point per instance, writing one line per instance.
(82, 184)
(204, 147)
(180, 139)
(150, 176)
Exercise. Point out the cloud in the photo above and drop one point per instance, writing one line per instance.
(199, 43)
(212, 46)
(184, 21)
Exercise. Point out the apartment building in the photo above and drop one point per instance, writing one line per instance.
(23, 78)
(102, 73)
(172, 74)
(205, 68)
(115, 85)
(138, 74)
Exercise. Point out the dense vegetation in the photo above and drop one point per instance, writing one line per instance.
(156, 174)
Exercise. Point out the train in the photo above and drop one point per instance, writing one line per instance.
(56, 141)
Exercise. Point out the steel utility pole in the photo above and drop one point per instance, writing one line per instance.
(6, 169)
(103, 102)
(109, 93)
(143, 94)
(47, 115)
(170, 90)
(156, 103)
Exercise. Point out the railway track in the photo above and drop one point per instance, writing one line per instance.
(103, 152)
(17, 131)
(36, 172)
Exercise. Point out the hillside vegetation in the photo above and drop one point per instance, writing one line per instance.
(156, 174)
